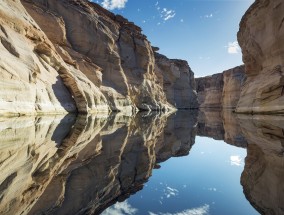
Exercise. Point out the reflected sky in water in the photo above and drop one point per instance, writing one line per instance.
(204, 182)
(186, 163)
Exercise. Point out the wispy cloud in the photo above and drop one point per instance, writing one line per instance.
(203, 210)
(120, 208)
(233, 47)
(171, 192)
(114, 4)
(236, 160)
(207, 16)
(165, 13)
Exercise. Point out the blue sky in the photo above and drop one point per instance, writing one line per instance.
(203, 32)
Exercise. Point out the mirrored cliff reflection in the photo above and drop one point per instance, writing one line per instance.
(263, 137)
(81, 165)
(84, 164)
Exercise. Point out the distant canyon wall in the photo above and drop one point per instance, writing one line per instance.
(68, 56)
(220, 90)
(261, 37)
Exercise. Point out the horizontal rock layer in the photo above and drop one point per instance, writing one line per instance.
(261, 37)
(220, 90)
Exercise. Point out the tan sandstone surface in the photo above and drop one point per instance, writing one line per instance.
(178, 82)
(220, 90)
(73, 55)
(261, 37)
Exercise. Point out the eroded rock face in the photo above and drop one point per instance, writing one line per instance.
(261, 37)
(73, 55)
(262, 178)
(233, 80)
(111, 51)
(220, 90)
(209, 91)
(178, 82)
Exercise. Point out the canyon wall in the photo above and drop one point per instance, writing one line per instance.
(178, 81)
(220, 90)
(73, 55)
(261, 37)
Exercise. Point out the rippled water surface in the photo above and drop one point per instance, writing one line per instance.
(186, 163)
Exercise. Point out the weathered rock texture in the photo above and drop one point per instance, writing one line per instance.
(220, 90)
(54, 165)
(178, 82)
(261, 37)
(73, 55)
(209, 90)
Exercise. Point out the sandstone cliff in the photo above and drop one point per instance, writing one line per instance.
(178, 81)
(220, 90)
(261, 37)
(73, 55)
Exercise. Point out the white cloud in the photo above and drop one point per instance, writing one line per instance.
(167, 14)
(209, 16)
(120, 208)
(203, 210)
(236, 160)
(170, 192)
(233, 47)
(114, 4)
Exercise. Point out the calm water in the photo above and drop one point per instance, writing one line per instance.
(205, 182)
(186, 163)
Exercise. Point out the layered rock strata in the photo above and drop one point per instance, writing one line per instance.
(73, 55)
(261, 37)
(178, 81)
(220, 90)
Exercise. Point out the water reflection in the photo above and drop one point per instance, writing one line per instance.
(84, 164)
